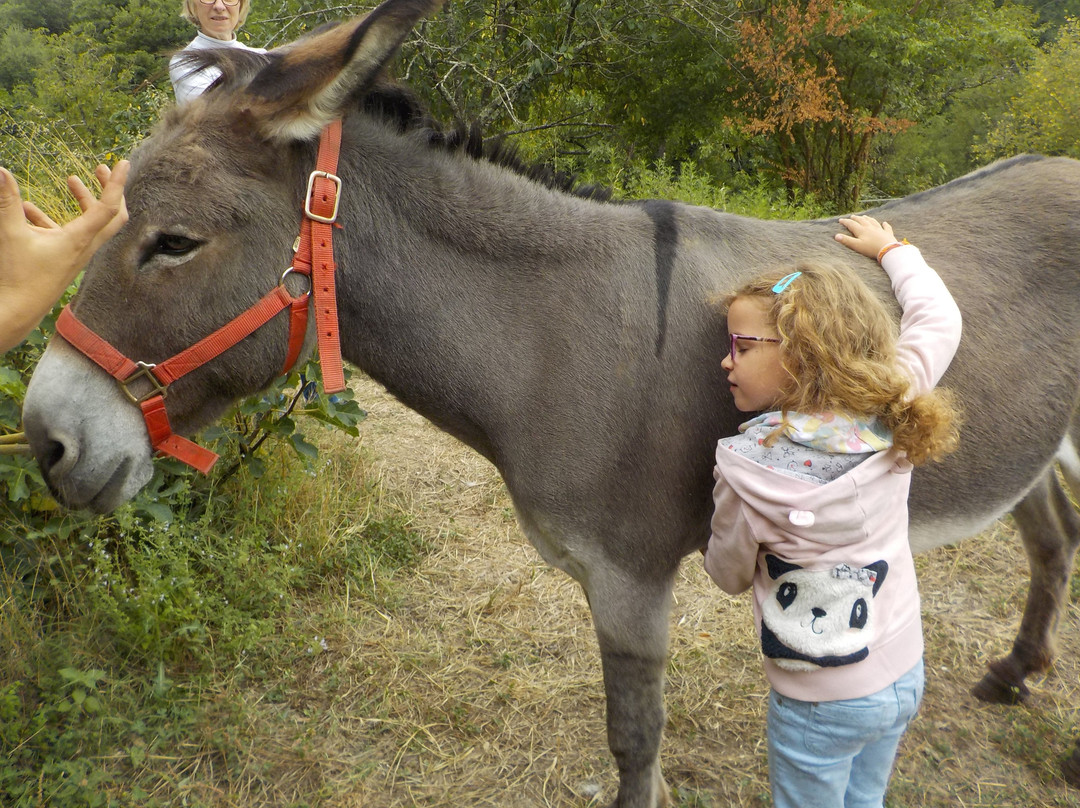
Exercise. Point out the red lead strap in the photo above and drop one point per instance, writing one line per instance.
(315, 253)
(314, 257)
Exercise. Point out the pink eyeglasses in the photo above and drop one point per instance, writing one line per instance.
(736, 337)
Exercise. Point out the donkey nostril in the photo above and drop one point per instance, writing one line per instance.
(53, 454)
(57, 455)
(818, 612)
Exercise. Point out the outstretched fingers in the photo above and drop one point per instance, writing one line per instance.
(38, 258)
(100, 218)
(12, 218)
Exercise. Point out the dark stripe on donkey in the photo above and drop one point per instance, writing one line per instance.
(665, 240)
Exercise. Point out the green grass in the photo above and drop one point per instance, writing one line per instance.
(131, 647)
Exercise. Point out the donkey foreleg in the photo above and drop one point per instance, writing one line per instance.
(631, 619)
(1050, 531)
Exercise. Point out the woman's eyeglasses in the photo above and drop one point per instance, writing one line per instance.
(229, 3)
(736, 337)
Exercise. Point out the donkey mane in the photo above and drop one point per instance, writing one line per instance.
(397, 104)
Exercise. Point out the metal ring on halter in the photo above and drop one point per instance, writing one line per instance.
(290, 271)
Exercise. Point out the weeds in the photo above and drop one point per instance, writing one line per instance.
(125, 642)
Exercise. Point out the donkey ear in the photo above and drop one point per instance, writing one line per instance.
(304, 89)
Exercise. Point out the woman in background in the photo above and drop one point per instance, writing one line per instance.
(218, 22)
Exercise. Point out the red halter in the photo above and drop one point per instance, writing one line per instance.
(314, 258)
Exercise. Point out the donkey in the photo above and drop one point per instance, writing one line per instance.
(569, 340)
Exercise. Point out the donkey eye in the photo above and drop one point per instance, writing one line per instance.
(168, 244)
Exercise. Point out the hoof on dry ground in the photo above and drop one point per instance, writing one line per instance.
(995, 689)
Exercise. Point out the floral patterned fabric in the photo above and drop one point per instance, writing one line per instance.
(817, 448)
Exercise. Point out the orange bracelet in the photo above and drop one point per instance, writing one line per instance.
(887, 247)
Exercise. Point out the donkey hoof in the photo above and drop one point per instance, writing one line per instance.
(1070, 767)
(995, 689)
(665, 801)
(660, 799)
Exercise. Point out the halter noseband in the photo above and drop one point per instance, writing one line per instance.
(313, 258)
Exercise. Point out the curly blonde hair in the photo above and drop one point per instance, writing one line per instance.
(839, 347)
(188, 12)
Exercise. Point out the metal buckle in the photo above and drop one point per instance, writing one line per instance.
(146, 370)
(337, 196)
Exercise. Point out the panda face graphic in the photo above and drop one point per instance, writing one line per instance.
(819, 618)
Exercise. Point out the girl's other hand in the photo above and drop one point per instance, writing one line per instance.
(866, 235)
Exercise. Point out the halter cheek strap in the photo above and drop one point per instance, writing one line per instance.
(315, 254)
(314, 258)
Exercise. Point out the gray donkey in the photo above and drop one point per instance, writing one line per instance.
(570, 341)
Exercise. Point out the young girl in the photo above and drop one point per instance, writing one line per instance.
(811, 506)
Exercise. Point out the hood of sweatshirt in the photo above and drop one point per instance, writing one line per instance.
(840, 512)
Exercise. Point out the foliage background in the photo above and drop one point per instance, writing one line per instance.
(838, 100)
(126, 638)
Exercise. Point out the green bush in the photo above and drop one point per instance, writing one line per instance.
(745, 195)
(127, 638)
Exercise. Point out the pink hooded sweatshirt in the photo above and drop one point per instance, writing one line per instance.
(835, 597)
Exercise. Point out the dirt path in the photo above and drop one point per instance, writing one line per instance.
(479, 683)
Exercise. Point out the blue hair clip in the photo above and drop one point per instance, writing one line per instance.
(785, 282)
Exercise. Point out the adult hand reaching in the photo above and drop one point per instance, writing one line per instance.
(39, 258)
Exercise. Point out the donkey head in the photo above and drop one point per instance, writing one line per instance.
(215, 197)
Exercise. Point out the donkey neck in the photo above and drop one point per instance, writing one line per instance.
(466, 287)
(467, 205)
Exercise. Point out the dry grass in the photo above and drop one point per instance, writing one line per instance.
(478, 683)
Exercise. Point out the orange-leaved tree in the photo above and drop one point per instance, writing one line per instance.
(790, 94)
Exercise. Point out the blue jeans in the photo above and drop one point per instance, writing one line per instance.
(839, 754)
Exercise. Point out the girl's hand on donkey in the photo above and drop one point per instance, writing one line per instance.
(866, 235)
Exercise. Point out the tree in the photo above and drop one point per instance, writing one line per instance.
(1044, 114)
(52, 16)
(804, 92)
(593, 86)
(960, 64)
(1052, 14)
(22, 53)
(73, 87)
(141, 35)
(793, 93)
(826, 82)
(275, 22)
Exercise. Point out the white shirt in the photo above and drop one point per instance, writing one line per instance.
(187, 83)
